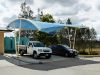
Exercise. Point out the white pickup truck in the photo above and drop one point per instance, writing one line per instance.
(36, 49)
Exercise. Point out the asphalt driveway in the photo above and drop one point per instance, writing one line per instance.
(56, 62)
(66, 63)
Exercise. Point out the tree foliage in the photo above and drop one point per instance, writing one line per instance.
(46, 38)
(68, 21)
(85, 38)
(47, 18)
(26, 12)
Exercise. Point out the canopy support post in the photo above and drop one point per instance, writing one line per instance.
(19, 38)
(15, 41)
(69, 38)
(74, 38)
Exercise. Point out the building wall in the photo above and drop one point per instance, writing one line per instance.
(1, 42)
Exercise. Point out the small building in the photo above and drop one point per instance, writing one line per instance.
(2, 31)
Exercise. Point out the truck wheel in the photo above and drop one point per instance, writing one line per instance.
(35, 55)
(21, 53)
(48, 57)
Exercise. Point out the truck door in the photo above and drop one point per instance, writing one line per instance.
(30, 48)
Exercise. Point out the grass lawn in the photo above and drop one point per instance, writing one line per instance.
(94, 49)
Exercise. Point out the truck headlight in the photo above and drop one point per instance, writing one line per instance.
(40, 50)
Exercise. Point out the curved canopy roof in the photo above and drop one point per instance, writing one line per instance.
(37, 25)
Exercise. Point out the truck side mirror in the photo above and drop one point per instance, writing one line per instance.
(31, 46)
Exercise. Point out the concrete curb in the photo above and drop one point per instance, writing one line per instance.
(89, 55)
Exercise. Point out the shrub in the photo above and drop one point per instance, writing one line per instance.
(94, 53)
(83, 53)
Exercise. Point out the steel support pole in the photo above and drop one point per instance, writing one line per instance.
(69, 37)
(19, 38)
(74, 38)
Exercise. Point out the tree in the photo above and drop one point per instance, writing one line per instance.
(60, 21)
(82, 37)
(93, 34)
(92, 37)
(44, 37)
(68, 21)
(26, 11)
(47, 18)
(85, 39)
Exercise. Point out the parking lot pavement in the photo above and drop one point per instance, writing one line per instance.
(10, 60)
(56, 62)
(43, 60)
(29, 59)
(69, 62)
(70, 66)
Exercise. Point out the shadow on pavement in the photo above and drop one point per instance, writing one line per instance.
(68, 62)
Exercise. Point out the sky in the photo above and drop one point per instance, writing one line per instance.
(86, 12)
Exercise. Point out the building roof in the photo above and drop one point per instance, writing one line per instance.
(5, 29)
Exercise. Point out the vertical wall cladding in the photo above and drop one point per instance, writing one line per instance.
(1, 42)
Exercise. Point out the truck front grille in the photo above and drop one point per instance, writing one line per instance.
(46, 50)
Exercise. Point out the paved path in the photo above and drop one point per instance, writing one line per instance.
(91, 58)
(68, 66)
(93, 69)
(29, 59)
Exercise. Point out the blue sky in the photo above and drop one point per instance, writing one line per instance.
(85, 12)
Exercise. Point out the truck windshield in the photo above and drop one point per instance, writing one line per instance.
(38, 44)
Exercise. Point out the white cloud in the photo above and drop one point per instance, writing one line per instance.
(62, 2)
(80, 11)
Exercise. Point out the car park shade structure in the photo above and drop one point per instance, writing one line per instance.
(41, 26)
